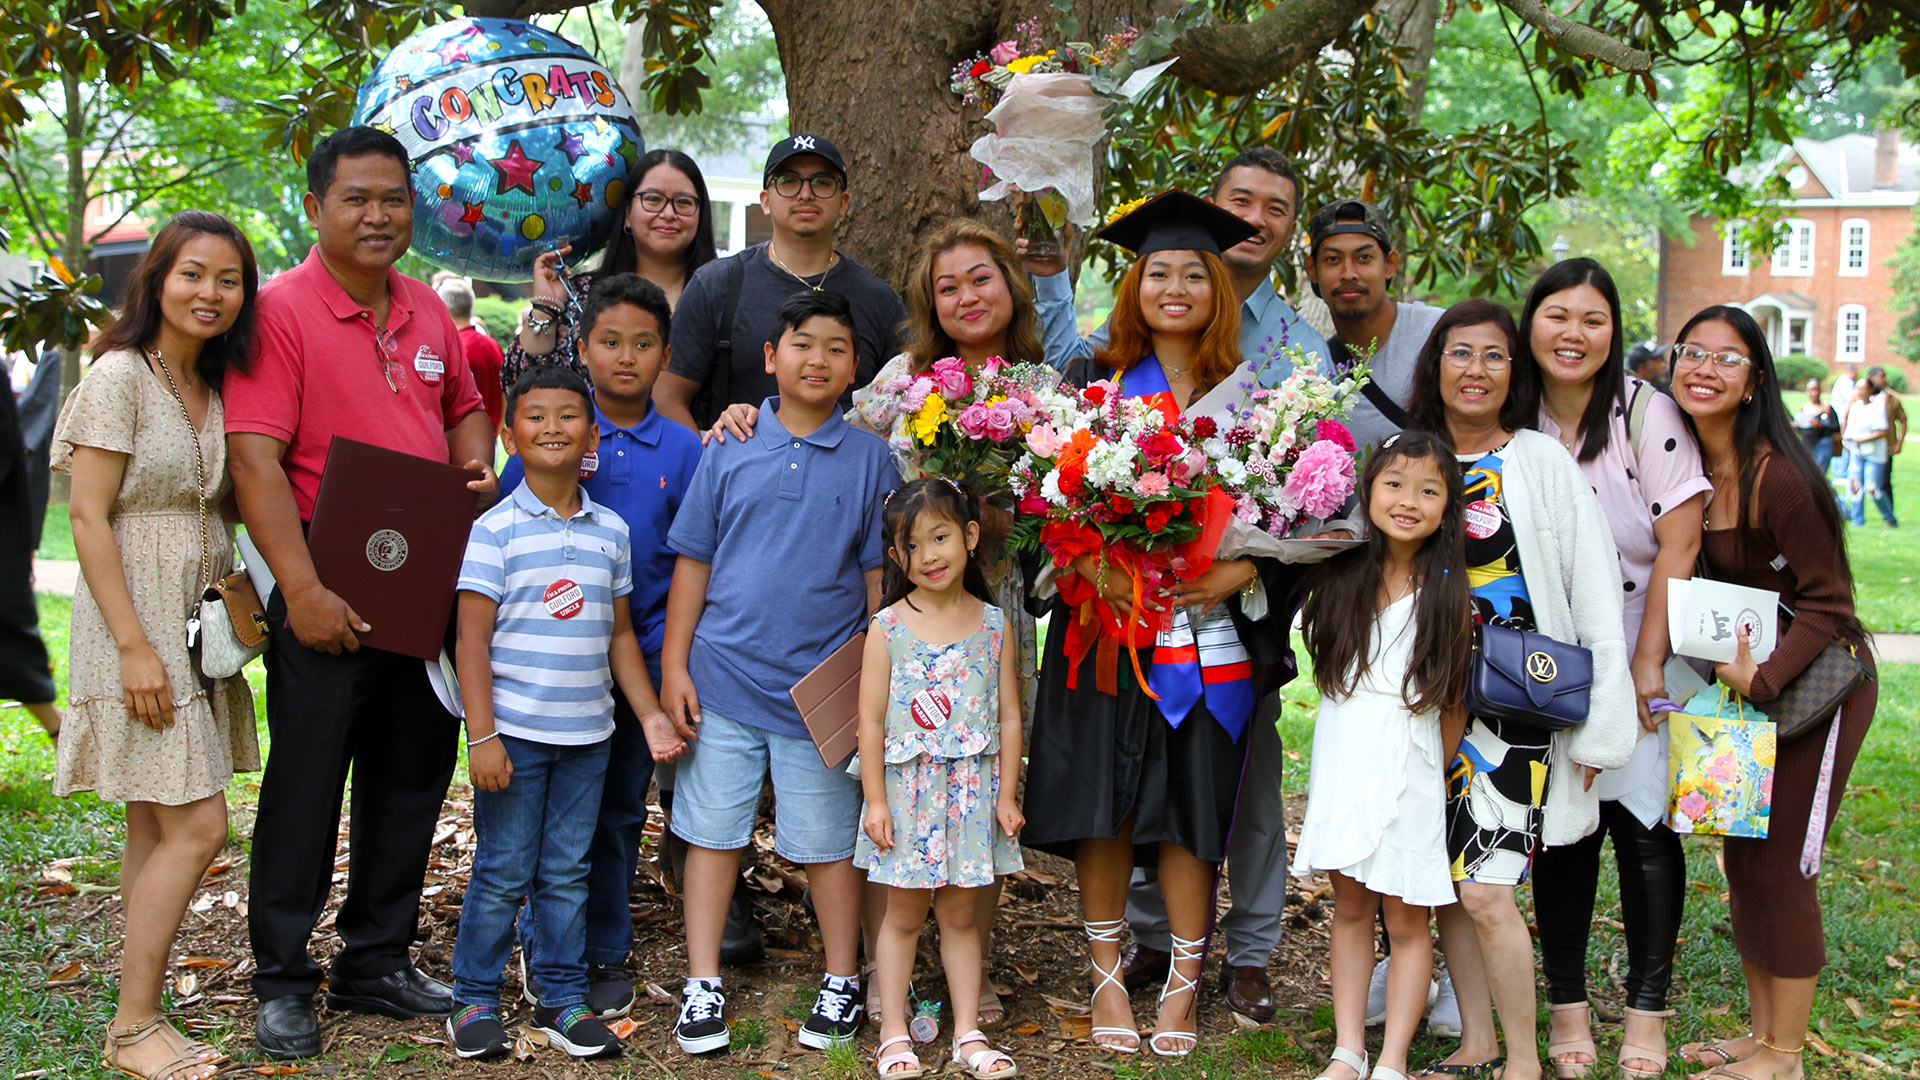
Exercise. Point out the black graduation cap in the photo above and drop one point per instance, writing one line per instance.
(1177, 221)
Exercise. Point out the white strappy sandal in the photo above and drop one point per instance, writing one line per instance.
(1183, 949)
(1109, 930)
(1356, 1062)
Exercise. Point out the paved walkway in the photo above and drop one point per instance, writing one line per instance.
(54, 576)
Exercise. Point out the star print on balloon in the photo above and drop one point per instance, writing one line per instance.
(583, 193)
(572, 145)
(473, 215)
(516, 169)
(455, 48)
(462, 151)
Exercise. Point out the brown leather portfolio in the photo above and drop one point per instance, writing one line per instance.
(389, 532)
(828, 698)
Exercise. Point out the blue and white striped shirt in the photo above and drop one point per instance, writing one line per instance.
(555, 581)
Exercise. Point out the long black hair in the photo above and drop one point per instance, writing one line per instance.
(1610, 383)
(927, 495)
(1761, 425)
(1425, 408)
(623, 252)
(1344, 592)
(140, 317)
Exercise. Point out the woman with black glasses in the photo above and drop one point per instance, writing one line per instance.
(666, 233)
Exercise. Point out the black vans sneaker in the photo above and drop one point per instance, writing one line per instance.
(477, 1034)
(576, 1030)
(702, 1026)
(609, 991)
(836, 1013)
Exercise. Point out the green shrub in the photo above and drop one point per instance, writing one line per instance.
(1795, 369)
(500, 316)
(1896, 379)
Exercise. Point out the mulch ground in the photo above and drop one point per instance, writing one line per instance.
(1038, 962)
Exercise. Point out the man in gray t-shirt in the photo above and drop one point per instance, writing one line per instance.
(1351, 263)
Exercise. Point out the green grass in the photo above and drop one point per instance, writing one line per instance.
(1885, 561)
(56, 536)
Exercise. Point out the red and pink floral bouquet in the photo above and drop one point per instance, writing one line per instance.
(1283, 452)
(968, 426)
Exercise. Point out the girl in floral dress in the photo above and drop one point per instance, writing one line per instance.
(940, 743)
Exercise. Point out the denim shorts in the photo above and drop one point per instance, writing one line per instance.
(816, 810)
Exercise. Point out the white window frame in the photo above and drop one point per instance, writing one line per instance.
(1736, 257)
(1794, 256)
(1848, 249)
(1858, 354)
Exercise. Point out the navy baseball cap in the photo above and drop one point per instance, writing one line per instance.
(799, 145)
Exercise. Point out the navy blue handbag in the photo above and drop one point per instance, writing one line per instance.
(1528, 678)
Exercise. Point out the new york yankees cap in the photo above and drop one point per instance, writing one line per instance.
(796, 145)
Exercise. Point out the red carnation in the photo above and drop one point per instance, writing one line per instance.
(1095, 394)
(980, 67)
(1158, 516)
(1120, 503)
(1205, 428)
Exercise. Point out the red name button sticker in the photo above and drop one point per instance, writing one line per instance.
(932, 708)
(564, 599)
(1483, 519)
(426, 364)
(589, 464)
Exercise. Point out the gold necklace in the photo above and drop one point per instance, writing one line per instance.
(186, 377)
(833, 260)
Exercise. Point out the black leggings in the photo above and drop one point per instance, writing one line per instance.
(1653, 881)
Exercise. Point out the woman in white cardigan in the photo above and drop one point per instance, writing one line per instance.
(1540, 558)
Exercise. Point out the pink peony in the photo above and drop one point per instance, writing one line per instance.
(1000, 422)
(1004, 53)
(950, 375)
(1043, 441)
(915, 396)
(1322, 478)
(973, 421)
(1334, 431)
(1151, 485)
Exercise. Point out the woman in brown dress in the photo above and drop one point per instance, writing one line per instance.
(143, 726)
(1773, 524)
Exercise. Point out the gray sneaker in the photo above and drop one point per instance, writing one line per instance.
(1444, 1017)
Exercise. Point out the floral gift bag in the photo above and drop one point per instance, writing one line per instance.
(1721, 752)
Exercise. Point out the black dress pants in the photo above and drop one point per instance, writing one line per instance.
(372, 715)
(1653, 883)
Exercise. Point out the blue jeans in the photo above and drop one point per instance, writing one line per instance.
(532, 840)
(1868, 480)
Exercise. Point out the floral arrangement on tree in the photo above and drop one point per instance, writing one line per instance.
(968, 426)
(981, 79)
(1282, 453)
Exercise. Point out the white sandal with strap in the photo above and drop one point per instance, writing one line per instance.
(1109, 931)
(1183, 949)
(977, 1063)
(883, 1061)
(1356, 1062)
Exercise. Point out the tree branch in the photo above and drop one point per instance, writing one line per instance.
(36, 216)
(1580, 39)
(1245, 58)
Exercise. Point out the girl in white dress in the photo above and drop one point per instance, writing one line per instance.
(1390, 689)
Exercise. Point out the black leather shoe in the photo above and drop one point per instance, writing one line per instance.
(404, 995)
(1142, 966)
(740, 942)
(1248, 990)
(286, 1027)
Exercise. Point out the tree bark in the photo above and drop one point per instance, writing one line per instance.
(74, 248)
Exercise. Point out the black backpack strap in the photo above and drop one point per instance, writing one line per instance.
(719, 389)
(1343, 360)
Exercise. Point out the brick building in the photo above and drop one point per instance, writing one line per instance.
(1827, 289)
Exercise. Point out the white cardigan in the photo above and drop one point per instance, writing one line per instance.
(1572, 573)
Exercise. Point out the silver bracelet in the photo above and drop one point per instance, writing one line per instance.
(539, 325)
(471, 743)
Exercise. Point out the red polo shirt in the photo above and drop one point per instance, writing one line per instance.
(318, 372)
(484, 359)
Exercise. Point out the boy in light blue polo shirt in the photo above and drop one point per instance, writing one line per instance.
(780, 553)
(544, 633)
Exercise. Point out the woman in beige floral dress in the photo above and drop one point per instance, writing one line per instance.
(143, 726)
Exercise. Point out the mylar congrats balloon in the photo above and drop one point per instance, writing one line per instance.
(520, 142)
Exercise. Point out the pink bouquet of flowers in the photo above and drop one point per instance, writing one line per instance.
(968, 426)
(1282, 453)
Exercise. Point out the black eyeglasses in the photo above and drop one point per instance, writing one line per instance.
(655, 201)
(824, 185)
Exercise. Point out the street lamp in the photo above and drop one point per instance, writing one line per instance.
(1560, 248)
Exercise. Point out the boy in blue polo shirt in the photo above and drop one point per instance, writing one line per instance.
(544, 633)
(780, 554)
(640, 471)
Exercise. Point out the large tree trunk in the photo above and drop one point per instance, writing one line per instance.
(74, 247)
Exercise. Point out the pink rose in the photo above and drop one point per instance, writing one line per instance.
(991, 367)
(1000, 422)
(1336, 432)
(1043, 441)
(1031, 503)
(1190, 466)
(950, 375)
(1004, 52)
(1322, 478)
(973, 420)
(1151, 485)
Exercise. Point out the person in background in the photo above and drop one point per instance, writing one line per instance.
(1843, 384)
(1647, 362)
(1818, 425)
(1867, 436)
(141, 438)
(1896, 421)
(666, 234)
(482, 353)
(1771, 526)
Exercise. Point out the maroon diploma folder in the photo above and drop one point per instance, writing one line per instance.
(389, 532)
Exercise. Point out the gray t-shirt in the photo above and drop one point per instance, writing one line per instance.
(877, 315)
(1392, 369)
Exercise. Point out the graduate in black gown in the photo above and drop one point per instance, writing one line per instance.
(1119, 779)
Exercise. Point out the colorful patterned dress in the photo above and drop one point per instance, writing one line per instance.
(943, 760)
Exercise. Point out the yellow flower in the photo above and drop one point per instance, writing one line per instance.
(1126, 208)
(1023, 64)
(926, 423)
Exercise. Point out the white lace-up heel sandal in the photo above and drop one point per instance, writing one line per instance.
(1356, 1062)
(1109, 931)
(1183, 949)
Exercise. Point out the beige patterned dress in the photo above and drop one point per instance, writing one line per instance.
(125, 407)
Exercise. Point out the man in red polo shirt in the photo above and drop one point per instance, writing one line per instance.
(347, 346)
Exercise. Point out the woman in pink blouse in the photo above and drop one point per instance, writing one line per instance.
(1632, 444)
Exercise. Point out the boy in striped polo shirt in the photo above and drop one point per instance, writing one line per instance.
(545, 632)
